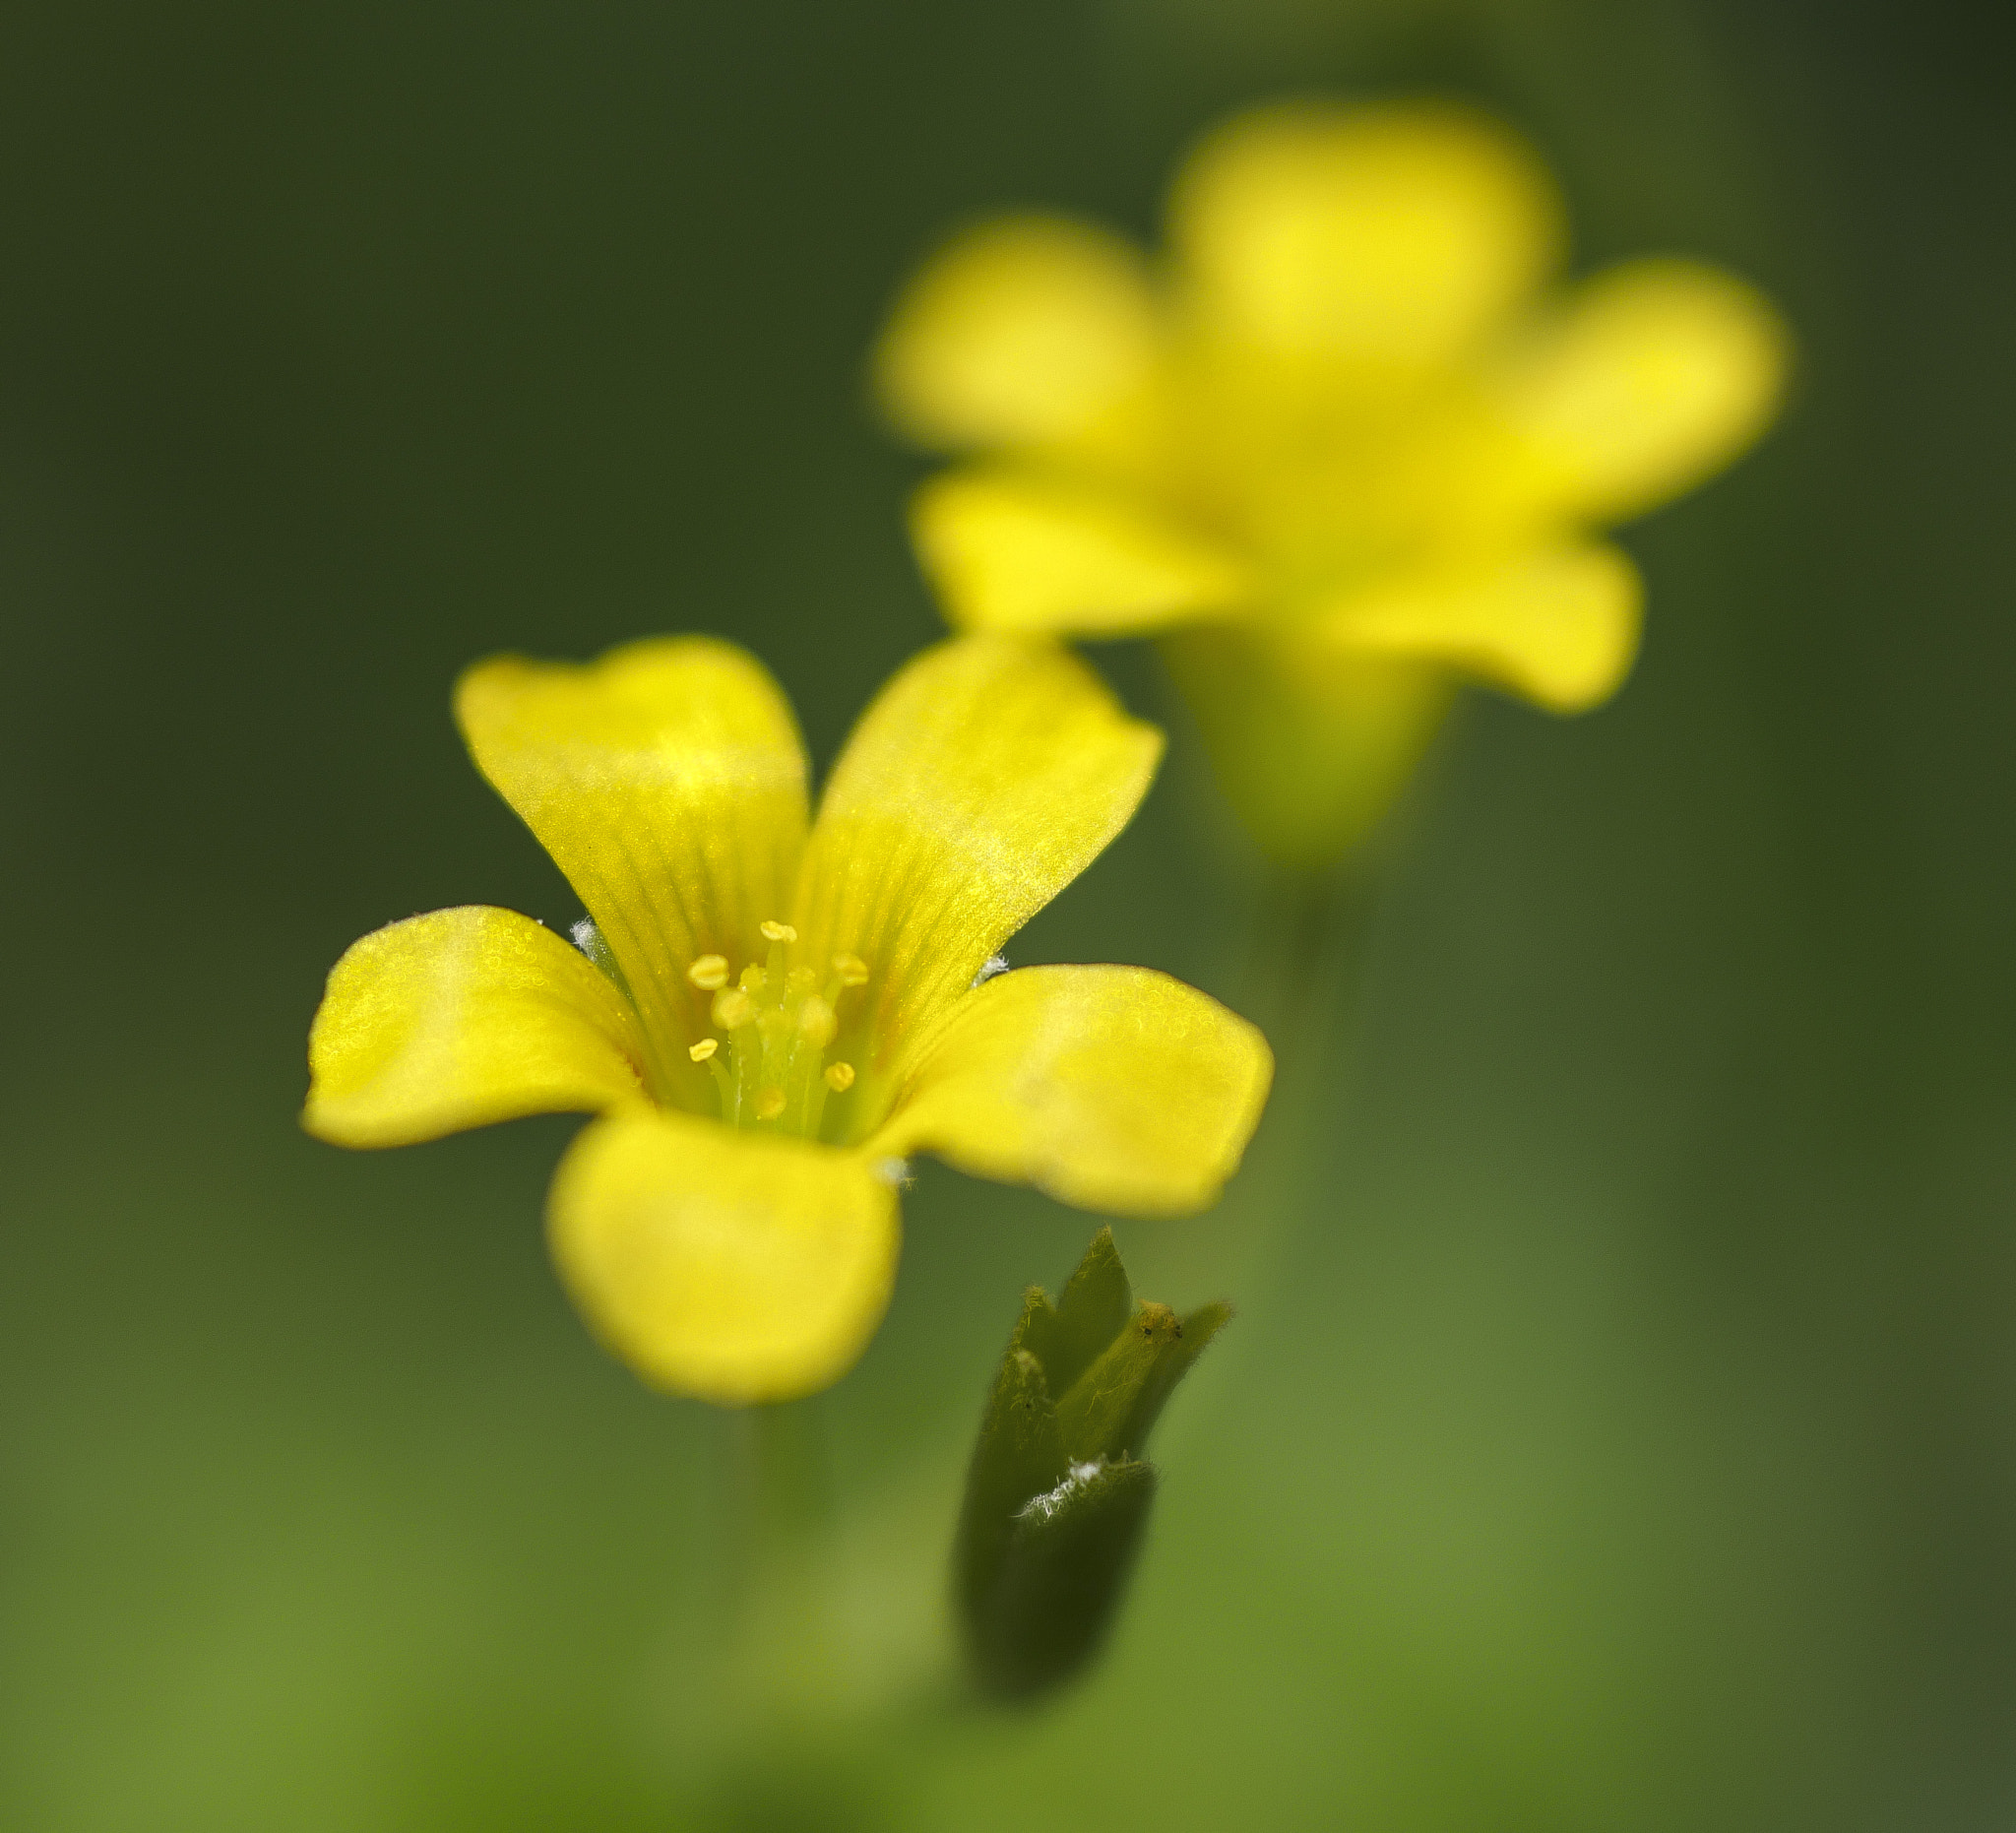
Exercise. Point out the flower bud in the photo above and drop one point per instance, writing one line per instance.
(1058, 1494)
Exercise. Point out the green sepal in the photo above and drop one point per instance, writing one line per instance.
(1057, 1495)
(1089, 1314)
(1019, 1455)
(1063, 1571)
(1112, 1406)
(1310, 746)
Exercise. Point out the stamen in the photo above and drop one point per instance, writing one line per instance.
(775, 1023)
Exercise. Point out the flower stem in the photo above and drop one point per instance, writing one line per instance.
(1302, 984)
(1306, 953)
(782, 1512)
(783, 1759)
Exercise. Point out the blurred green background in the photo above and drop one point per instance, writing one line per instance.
(1629, 1438)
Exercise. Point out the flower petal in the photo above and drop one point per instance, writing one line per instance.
(1017, 333)
(1658, 376)
(983, 779)
(460, 1018)
(1014, 552)
(669, 783)
(1310, 742)
(1116, 1089)
(1558, 625)
(1391, 234)
(733, 1266)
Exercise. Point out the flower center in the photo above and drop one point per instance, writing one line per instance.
(775, 1021)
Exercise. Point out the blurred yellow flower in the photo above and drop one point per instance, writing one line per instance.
(1345, 446)
(768, 1014)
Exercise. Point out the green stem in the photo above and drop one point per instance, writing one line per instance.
(791, 1486)
(779, 1533)
(1303, 979)
(1309, 932)
(782, 1761)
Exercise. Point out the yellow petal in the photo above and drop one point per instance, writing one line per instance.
(1013, 552)
(1310, 743)
(669, 783)
(1558, 625)
(1658, 376)
(736, 1267)
(984, 778)
(460, 1018)
(1116, 1089)
(1017, 333)
(1394, 234)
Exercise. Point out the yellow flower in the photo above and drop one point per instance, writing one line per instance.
(1345, 445)
(770, 1014)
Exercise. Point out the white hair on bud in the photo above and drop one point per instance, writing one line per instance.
(893, 1171)
(1047, 1505)
(586, 936)
(994, 965)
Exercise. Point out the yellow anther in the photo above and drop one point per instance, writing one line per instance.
(840, 1077)
(851, 969)
(733, 1008)
(769, 1104)
(705, 1048)
(751, 980)
(815, 1022)
(801, 980)
(778, 931)
(709, 972)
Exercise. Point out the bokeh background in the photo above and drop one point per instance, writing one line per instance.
(1623, 1433)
